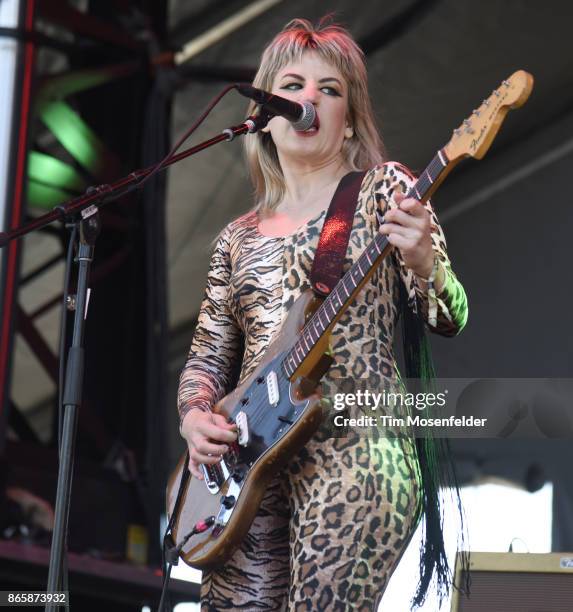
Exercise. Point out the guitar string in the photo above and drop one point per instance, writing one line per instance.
(354, 276)
(435, 167)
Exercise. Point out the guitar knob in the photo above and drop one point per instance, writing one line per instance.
(228, 501)
(238, 474)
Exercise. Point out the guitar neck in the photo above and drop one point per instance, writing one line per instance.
(348, 287)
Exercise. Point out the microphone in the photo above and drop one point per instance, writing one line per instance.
(301, 114)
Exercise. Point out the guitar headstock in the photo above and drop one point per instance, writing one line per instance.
(476, 133)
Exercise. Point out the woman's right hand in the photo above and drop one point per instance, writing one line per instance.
(207, 435)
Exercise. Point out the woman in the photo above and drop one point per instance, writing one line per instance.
(334, 524)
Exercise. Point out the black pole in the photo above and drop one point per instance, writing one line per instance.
(89, 230)
(87, 207)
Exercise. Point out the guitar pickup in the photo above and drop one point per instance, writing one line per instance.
(273, 388)
(242, 429)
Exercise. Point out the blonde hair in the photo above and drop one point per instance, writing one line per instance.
(335, 45)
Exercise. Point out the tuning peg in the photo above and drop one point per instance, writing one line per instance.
(485, 102)
(468, 124)
(496, 93)
(457, 131)
(476, 112)
(506, 82)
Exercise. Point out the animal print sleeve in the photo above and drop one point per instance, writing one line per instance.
(214, 352)
(451, 302)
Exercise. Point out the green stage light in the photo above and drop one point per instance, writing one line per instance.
(53, 172)
(45, 196)
(78, 138)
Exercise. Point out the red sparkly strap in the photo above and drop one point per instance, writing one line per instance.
(329, 259)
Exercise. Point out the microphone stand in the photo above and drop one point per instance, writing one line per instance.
(103, 194)
(83, 210)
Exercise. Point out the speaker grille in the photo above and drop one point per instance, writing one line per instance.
(518, 592)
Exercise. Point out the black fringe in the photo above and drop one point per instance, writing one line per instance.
(436, 466)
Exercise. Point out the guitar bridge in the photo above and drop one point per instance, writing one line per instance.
(215, 475)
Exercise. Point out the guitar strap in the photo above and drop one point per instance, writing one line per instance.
(333, 242)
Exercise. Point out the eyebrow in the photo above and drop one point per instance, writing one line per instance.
(301, 78)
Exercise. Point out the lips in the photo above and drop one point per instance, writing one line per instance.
(315, 124)
(313, 129)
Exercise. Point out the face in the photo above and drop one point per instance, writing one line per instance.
(316, 81)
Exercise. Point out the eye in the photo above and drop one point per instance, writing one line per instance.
(331, 91)
(327, 89)
(292, 86)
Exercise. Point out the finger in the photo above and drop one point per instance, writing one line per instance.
(195, 470)
(393, 228)
(208, 448)
(216, 432)
(203, 458)
(413, 207)
(405, 219)
(400, 242)
(222, 421)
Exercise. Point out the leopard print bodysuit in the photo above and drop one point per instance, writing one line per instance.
(334, 524)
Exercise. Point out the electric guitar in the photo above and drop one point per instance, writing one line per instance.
(274, 409)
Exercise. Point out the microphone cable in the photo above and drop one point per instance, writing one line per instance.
(186, 135)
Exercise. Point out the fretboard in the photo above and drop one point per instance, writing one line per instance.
(349, 285)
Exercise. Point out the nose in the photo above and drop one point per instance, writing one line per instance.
(311, 93)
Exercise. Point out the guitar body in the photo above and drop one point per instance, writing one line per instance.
(275, 432)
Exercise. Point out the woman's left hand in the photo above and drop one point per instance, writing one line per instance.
(408, 228)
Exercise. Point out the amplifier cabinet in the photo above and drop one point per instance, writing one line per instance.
(516, 582)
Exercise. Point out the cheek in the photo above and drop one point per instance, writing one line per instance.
(339, 118)
(277, 126)
(340, 123)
